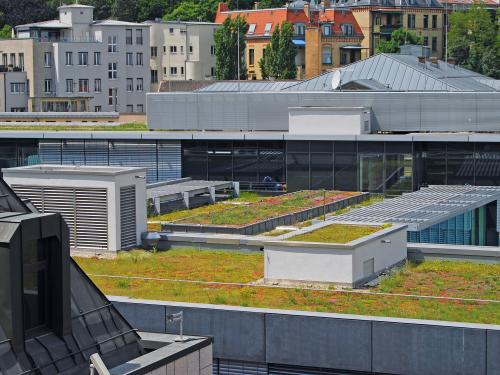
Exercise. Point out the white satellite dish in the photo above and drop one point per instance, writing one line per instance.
(336, 80)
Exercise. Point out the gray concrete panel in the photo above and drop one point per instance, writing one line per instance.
(144, 317)
(413, 349)
(319, 342)
(237, 335)
(493, 352)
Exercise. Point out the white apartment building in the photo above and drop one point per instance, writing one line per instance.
(13, 91)
(181, 51)
(75, 63)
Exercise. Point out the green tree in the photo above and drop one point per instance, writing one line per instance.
(226, 49)
(6, 32)
(18, 12)
(279, 55)
(474, 41)
(398, 38)
(193, 10)
(266, 4)
(125, 10)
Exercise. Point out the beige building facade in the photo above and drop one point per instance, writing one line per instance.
(181, 51)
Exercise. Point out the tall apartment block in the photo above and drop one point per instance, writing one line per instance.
(75, 63)
(181, 51)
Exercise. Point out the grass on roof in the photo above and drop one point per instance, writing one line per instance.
(432, 278)
(255, 209)
(336, 233)
(90, 127)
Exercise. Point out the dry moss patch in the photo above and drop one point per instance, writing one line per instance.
(337, 233)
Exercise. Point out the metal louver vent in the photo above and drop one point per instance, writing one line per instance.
(226, 367)
(85, 211)
(297, 370)
(128, 217)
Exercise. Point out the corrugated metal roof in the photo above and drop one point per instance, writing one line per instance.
(247, 86)
(426, 207)
(399, 72)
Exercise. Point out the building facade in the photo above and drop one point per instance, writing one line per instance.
(78, 64)
(181, 51)
(13, 91)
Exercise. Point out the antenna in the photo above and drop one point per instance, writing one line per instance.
(336, 80)
(178, 317)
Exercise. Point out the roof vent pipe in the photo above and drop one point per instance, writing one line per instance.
(421, 59)
(452, 61)
(434, 61)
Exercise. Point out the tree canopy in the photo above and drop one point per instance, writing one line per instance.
(474, 40)
(279, 55)
(226, 49)
(398, 38)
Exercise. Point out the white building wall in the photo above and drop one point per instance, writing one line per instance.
(15, 100)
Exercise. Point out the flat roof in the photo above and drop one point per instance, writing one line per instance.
(72, 169)
(425, 207)
(171, 191)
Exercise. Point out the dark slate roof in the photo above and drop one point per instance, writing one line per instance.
(97, 327)
(398, 72)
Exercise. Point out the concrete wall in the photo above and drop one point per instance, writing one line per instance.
(334, 341)
(329, 120)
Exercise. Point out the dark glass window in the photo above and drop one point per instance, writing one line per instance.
(194, 160)
(322, 171)
(398, 173)
(297, 146)
(487, 164)
(35, 285)
(246, 162)
(297, 171)
(431, 163)
(346, 170)
(220, 161)
(460, 163)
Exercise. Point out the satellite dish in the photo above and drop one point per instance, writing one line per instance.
(336, 80)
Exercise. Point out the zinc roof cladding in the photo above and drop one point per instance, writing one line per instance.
(247, 86)
(426, 207)
(403, 73)
(50, 24)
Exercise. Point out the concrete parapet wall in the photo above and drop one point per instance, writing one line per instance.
(333, 341)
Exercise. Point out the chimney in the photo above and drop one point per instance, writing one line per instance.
(421, 59)
(222, 7)
(307, 11)
(452, 61)
(256, 5)
(434, 61)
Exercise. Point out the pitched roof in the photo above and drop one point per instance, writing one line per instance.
(399, 72)
(390, 3)
(247, 86)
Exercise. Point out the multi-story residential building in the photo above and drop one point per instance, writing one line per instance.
(13, 91)
(181, 51)
(324, 37)
(378, 19)
(75, 63)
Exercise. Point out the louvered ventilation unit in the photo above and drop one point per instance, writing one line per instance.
(85, 211)
(128, 217)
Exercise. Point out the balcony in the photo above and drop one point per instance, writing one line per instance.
(385, 29)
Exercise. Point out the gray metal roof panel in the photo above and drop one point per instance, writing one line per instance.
(246, 86)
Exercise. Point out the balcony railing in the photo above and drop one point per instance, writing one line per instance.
(68, 40)
(385, 29)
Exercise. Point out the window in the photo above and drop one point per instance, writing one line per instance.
(138, 36)
(434, 21)
(112, 98)
(69, 58)
(251, 29)
(212, 50)
(190, 49)
(112, 70)
(97, 108)
(47, 59)
(97, 85)
(154, 51)
(426, 40)
(300, 28)
(267, 30)
(327, 30)
(140, 85)
(154, 76)
(139, 59)
(171, 30)
(48, 86)
(326, 55)
(130, 108)
(164, 70)
(17, 88)
(411, 21)
(182, 70)
(173, 49)
(434, 44)
(69, 85)
(426, 21)
(83, 85)
(343, 58)
(83, 58)
(4, 59)
(128, 36)
(97, 58)
(347, 29)
(129, 58)
(251, 57)
(112, 43)
(21, 61)
(182, 49)
(173, 70)
(130, 84)
(212, 71)
(164, 49)
(140, 108)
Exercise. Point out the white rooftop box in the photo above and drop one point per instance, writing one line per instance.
(104, 207)
(329, 120)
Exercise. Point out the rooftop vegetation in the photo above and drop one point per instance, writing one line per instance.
(337, 233)
(250, 208)
(223, 277)
(90, 127)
